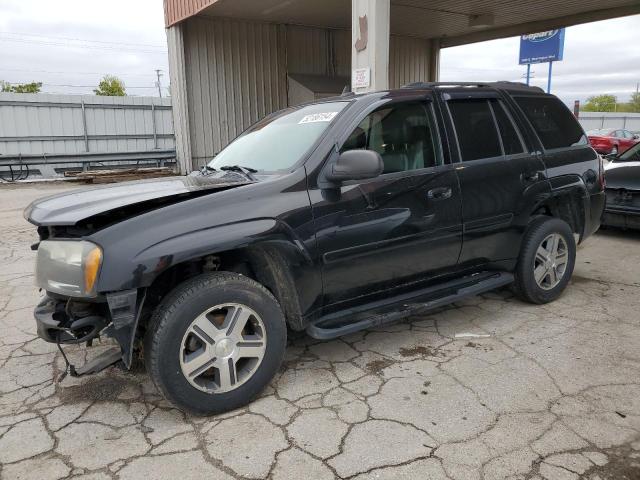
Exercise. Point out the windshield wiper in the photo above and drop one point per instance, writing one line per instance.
(247, 171)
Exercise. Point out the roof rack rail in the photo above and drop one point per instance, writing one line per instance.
(501, 83)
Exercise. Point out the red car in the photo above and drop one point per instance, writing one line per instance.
(606, 141)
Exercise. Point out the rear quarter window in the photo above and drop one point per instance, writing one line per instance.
(553, 122)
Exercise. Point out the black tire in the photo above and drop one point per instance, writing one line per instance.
(525, 285)
(172, 318)
(614, 150)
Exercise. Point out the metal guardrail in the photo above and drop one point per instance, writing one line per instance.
(18, 167)
(85, 157)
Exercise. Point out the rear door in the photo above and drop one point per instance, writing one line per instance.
(497, 173)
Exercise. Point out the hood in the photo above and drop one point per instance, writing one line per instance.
(136, 196)
(623, 175)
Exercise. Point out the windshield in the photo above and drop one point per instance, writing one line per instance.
(279, 141)
(631, 155)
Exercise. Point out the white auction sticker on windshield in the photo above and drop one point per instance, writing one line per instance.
(318, 117)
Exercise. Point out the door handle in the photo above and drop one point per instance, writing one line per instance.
(440, 193)
(530, 177)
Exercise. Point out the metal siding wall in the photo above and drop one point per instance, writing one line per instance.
(408, 60)
(236, 74)
(613, 120)
(318, 51)
(45, 115)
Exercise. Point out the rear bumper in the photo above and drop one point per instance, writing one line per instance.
(594, 208)
(621, 218)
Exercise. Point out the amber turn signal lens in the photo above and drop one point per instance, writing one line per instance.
(91, 267)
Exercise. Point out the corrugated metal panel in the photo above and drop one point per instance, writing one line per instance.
(236, 74)
(627, 121)
(178, 10)
(318, 51)
(408, 60)
(45, 123)
(178, 76)
(341, 40)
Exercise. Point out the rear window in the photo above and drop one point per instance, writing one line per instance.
(553, 122)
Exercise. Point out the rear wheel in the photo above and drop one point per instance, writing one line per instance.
(215, 342)
(614, 150)
(546, 260)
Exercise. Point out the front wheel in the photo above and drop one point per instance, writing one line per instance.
(546, 260)
(215, 342)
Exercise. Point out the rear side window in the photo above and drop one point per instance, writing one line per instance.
(553, 122)
(511, 140)
(475, 128)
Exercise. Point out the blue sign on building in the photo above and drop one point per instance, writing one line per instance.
(542, 47)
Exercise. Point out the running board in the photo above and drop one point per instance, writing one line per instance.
(493, 281)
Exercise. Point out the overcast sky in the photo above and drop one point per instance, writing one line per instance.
(70, 45)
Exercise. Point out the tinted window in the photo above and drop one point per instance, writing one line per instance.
(403, 134)
(475, 128)
(511, 140)
(628, 134)
(553, 122)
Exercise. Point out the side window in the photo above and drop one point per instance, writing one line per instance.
(405, 135)
(553, 122)
(475, 129)
(627, 134)
(511, 138)
(618, 134)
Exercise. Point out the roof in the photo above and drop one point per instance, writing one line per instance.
(448, 20)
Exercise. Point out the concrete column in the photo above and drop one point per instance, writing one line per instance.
(434, 61)
(179, 101)
(370, 45)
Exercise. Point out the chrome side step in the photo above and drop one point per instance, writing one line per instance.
(468, 288)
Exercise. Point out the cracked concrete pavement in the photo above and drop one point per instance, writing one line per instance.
(542, 392)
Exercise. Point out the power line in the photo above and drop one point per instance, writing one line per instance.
(78, 86)
(84, 40)
(76, 73)
(83, 47)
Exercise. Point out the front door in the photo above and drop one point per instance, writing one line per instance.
(385, 234)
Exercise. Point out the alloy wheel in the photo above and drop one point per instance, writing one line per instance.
(222, 348)
(551, 261)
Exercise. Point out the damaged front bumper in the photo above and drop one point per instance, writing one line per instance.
(67, 321)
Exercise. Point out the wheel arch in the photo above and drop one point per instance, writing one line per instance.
(566, 201)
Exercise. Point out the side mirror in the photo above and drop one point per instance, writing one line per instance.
(636, 136)
(355, 165)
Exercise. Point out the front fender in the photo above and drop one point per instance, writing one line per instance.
(138, 268)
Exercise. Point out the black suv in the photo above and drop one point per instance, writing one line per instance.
(328, 217)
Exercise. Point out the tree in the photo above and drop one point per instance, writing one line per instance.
(634, 103)
(110, 86)
(601, 103)
(33, 87)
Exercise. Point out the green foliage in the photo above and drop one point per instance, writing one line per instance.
(601, 103)
(110, 86)
(33, 87)
(634, 104)
(609, 103)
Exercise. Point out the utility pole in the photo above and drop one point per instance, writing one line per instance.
(158, 84)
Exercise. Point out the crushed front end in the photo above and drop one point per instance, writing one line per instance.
(73, 311)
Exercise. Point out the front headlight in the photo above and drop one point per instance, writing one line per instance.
(68, 267)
